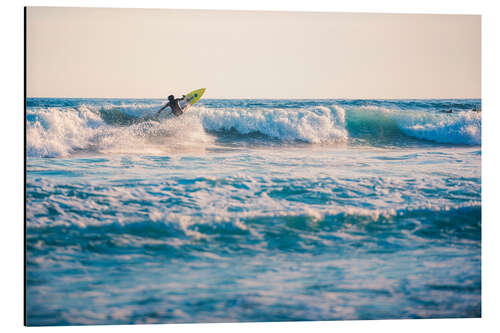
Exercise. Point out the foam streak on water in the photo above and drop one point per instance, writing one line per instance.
(252, 210)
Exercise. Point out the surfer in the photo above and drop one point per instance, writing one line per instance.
(174, 105)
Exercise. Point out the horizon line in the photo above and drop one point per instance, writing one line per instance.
(278, 98)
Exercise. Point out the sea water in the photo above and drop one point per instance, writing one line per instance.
(252, 210)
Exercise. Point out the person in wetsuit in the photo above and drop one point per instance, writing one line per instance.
(174, 105)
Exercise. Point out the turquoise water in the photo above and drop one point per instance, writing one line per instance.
(252, 210)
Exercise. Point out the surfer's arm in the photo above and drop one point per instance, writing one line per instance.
(166, 105)
(180, 99)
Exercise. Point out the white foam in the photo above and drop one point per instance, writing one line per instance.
(313, 124)
(61, 132)
(458, 128)
(455, 128)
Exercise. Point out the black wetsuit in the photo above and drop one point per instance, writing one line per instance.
(174, 105)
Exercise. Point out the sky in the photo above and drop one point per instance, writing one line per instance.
(152, 53)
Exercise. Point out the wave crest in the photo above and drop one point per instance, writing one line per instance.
(61, 132)
(460, 128)
(56, 132)
(312, 125)
(456, 128)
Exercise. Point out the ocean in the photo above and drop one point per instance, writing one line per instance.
(252, 210)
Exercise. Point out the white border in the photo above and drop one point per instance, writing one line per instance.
(11, 111)
(380, 6)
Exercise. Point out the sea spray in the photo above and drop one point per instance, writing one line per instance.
(313, 124)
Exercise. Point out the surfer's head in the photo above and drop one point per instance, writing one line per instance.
(171, 97)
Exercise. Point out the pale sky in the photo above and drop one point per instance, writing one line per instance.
(151, 53)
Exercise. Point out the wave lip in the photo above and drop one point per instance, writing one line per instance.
(460, 128)
(54, 132)
(313, 125)
(64, 131)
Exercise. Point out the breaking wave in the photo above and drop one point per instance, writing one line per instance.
(55, 131)
(313, 125)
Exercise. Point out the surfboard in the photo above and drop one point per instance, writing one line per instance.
(191, 98)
